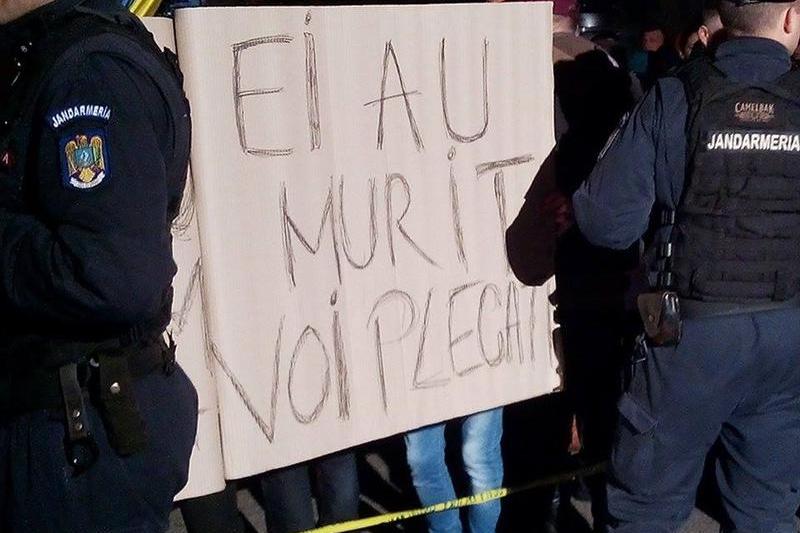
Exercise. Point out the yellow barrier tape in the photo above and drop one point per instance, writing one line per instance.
(476, 499)
(145, 8)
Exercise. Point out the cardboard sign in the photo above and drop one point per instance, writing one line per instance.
(355, 170)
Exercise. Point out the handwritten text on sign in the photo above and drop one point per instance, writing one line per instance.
(356, 169)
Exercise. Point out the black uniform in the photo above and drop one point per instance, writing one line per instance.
(714, 152)
(97, 423)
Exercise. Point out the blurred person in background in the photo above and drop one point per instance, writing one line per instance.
(661, 56)
(653, 38)
(704, 35)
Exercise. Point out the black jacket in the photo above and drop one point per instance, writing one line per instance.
(85, 212)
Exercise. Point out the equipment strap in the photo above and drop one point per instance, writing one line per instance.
(699, 309)
(40, 389)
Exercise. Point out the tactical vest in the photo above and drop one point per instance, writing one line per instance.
(736, 230)
(82, 31)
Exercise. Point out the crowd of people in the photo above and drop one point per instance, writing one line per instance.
(668, 212)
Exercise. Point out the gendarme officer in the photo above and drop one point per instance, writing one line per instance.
(708, 169)
(96, 421)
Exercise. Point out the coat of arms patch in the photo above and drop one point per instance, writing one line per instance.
(85, 162)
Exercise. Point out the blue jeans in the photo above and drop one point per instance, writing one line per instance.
(483, 461)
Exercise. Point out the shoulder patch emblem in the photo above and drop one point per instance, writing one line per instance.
(84, 160)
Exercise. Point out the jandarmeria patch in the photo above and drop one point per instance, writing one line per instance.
(751, 141)
(59, 119)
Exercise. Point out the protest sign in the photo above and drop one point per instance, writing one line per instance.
(355, 169)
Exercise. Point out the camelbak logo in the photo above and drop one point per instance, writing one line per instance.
(755, 112)
(751, 142)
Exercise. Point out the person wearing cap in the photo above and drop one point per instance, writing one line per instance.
(97, 421)
(707, 169)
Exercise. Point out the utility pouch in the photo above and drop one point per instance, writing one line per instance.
(661, 315)
(123, 422)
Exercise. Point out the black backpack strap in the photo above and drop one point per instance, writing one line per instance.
(132, 44)
(695, 73)
(788, 86)
(42, 54)
(77, 29)
(127, 24)
(791, 80)
(37, 59)
(695, 76)
(698, 77)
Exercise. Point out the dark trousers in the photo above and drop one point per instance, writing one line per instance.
(288, 493)
(38, 493)
(732, 380)
(594, 362)
(213, 513)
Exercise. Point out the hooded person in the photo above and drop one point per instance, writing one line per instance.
(592, 94)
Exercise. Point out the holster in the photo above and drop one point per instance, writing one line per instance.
(104, 377)
(124, 425)
(661, 316)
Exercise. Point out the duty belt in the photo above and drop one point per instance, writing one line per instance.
(699, 309)
(35, 390)
(663, 313)
(104, 374)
